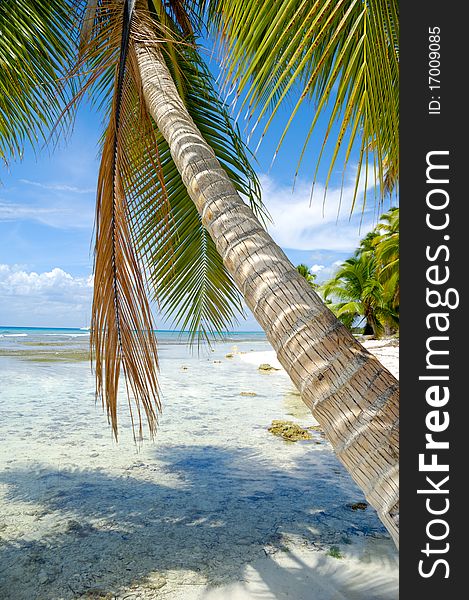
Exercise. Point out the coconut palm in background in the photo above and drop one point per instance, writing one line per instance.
(359, 293)
(367, 284)
(387, 253)
(179, 205)
(304, 271)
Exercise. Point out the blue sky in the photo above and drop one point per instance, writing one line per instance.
(47, 212)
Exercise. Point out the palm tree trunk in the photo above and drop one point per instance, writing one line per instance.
(353, 397)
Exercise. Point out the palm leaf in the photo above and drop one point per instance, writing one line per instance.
(353, 308)
(343, 54)
(122, 335)
(37, 43)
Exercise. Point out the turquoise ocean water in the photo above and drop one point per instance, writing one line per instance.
(164, 336)
(67, 343)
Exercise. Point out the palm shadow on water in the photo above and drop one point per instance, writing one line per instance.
(205, 511)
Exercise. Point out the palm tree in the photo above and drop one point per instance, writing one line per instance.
(367, 285)
(160, 149)
(387, 252)
(304, 271)
(360, 293)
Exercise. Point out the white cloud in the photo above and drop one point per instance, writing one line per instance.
(317, 268)
(16, 282)
(50, 298)
(328, 272)
(305, 223)
(10, 211)
(59, 187)
(58, 214)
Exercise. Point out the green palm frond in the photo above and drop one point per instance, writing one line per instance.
(387, 252)
(356, 290)
(386, 248)
(347, 312)
(186, 273)
(37, 42)
(348, 308)
(343, 54)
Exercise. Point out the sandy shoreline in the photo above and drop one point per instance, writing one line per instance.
(387, 351)
(217, 508)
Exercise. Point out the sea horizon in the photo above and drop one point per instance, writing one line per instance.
(14, 334)
(46, 328)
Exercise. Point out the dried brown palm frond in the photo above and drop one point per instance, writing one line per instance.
(122, 333)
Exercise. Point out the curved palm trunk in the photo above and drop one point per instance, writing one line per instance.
(353, 397)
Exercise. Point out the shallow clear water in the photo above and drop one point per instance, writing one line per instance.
(78, 510)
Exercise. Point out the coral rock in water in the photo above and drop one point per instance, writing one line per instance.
(289, 431)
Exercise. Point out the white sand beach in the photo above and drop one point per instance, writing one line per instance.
(216, 508)
(386, 350)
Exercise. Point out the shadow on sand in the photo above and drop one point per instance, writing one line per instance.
(196, 514)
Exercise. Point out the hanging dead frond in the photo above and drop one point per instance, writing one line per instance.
(122, 329)
(87, 24)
